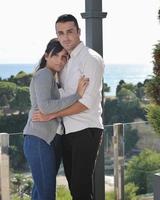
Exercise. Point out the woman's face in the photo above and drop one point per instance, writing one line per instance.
(56, 62)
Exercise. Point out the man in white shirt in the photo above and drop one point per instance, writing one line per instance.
(82, 121)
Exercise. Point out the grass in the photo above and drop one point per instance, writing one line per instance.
(63, 193)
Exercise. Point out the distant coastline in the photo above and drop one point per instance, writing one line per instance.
(6, 70)
(130, 73)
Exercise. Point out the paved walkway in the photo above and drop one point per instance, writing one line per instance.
(109, 182)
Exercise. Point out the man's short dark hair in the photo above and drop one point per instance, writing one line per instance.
(67, 18)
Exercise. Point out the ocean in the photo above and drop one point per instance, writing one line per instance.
(130, 73)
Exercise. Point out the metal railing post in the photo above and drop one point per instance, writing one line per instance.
(4, 167)
(156, 190)
(118, 141)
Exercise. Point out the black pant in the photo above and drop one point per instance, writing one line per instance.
(79, 156)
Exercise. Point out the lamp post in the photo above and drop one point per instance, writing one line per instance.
(94, 39)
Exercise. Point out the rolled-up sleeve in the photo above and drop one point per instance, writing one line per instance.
(93, 69)
(44, 84)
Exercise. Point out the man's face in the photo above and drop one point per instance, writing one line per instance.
(68, 35)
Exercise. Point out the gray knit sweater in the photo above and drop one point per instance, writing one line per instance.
(44, 95)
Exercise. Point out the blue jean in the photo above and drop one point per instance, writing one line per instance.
(44, 161)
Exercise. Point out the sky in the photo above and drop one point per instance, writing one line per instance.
(130, 29)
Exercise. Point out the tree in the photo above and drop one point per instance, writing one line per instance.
(13, 123)
(130, 139)
(16, 154)
(153, 116)
(130, 191)
(153, 89)
(119, 86)
(7, 92)
(141, 169)
(22, 79)
(126, 94)
(105, 87)
(21, 101)
(140, 91)
(3, 100)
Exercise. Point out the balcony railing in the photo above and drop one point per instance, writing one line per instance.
(131, 152)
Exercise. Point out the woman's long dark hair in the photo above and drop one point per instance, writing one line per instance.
(53, 47)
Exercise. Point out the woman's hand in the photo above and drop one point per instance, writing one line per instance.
(38, 116)
(82, 85)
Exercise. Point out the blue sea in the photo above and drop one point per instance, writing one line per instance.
(130, 73)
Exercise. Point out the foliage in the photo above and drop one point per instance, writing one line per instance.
(125, 94)
(63, 193)
(105, 87)
(14, 93)
(140, 170)
(21, 101)
(156, 61)
(122, 111)
(140, 92)
(21, 79)
(131, 138)
(127, 106)
(13, 123)
(119, 86)
(152, 89)
(109, 196)
(130, 191)
(110, 111)
(17, 197)
(16, 155)
(4, 100)
(21, 186)
(7, 92)
(153, 86)
(130, 90)
(153, 116)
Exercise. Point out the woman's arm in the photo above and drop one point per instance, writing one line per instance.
(44, 83)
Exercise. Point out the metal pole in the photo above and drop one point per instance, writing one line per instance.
(156, 184)
(94, 39)
(93, 18)
(4, 167)
(118, 140)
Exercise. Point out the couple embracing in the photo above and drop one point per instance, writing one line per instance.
(65, 122)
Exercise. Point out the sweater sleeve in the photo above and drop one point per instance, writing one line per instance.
(43, 84)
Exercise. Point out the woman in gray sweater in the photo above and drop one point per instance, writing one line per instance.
(41, 141)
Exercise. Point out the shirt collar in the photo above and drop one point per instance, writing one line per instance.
(77, 49)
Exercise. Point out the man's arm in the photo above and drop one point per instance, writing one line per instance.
(72, 110)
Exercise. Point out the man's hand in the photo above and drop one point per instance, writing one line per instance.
(40, 117)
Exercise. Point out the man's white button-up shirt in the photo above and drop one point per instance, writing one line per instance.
(84, 61)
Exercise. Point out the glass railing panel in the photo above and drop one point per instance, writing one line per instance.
(20, 176)
(142, 160)
(109, 161)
